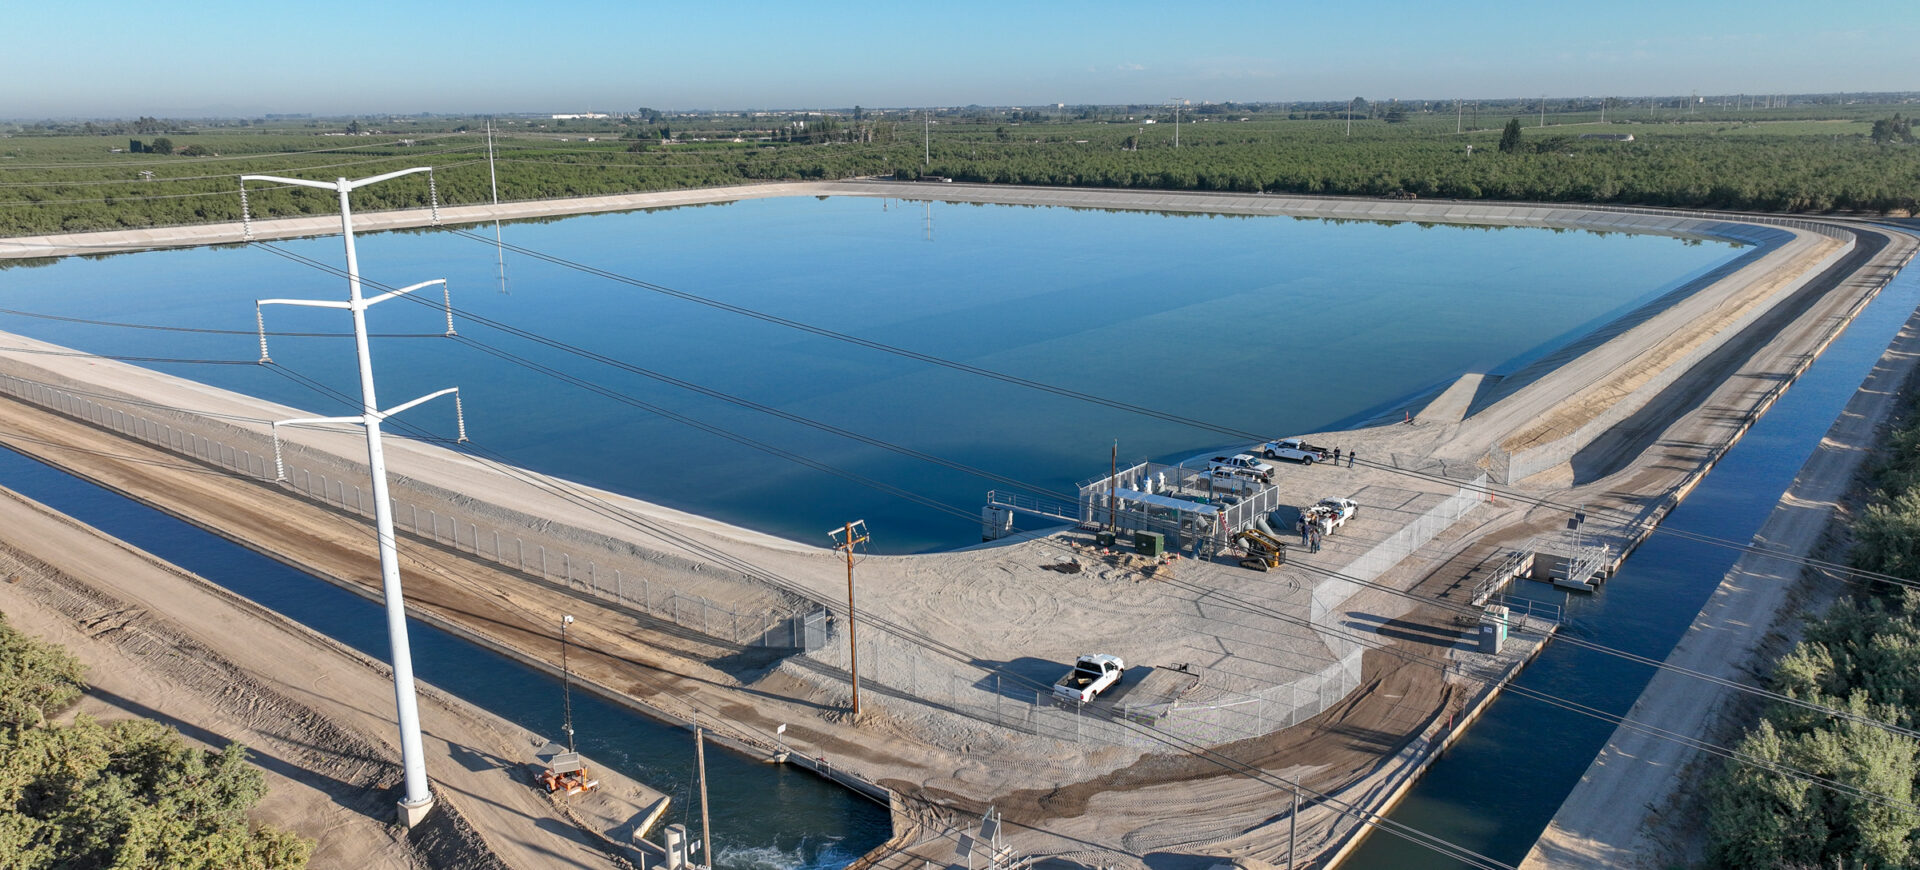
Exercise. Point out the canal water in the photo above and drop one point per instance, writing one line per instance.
(1263, 324)
(765, 816)
(1497, 788)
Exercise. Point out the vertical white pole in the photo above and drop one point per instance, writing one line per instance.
(418, 800)
(499, 252)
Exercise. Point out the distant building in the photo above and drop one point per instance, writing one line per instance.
(580, 117)
(1609, 137)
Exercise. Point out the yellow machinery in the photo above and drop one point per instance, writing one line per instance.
(568, 775)
(1263, 552)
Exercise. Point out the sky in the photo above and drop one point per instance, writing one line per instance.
(199, 58)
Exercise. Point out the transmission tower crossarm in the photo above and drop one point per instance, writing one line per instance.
(423, 399)
(315, 421)
(402, 291)
(309, 303)
(343, 185)
(300, 182)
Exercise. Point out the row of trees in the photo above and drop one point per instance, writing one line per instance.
(123, 794)
(1862, 656)
(1743, 167)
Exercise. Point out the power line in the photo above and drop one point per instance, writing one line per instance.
(207, 331)
(589, 501)
(260, 155)
(225, 175)
(888, 488)
(1099, 400)
(138, 359)
(565, 347)
(1369, 463)
(1379, 822)
(1204, 593)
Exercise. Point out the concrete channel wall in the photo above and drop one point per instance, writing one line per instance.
(1523, 464)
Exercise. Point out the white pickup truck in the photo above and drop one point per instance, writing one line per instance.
(1241, 465)
(1090, 676)
(1330, 513)
(1296, 450)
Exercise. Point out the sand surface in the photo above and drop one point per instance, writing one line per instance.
(315, 716)
(1101, 801)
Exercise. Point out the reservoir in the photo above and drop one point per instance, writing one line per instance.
(1263, 324)
(1497, 788)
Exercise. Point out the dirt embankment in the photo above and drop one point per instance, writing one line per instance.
(316, 717)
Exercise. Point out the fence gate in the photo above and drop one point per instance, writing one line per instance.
(813, 630)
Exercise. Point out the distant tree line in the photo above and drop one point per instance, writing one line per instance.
(1739, 166)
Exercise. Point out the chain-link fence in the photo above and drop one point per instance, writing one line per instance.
(895, 671)
(605, 577)
(1330, 594)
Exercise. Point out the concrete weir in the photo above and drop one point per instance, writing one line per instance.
(962, 638)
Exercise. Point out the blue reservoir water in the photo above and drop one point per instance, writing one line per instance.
(1499, 786)
(765, 816)
(1264, 324)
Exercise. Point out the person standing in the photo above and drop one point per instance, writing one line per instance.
(1350, 456)
(1313, 538)
(1336, 457)
(1301, 524)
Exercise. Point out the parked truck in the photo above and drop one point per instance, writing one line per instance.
(1241, 465)
(1296, 450)
(1090, 676)
(1330, 513)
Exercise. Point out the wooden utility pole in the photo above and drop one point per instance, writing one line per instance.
(1293, 824)
(706, 830)
(855, 534)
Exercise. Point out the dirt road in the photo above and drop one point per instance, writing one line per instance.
(315, 716)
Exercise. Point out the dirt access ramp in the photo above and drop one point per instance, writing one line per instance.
(163, 644)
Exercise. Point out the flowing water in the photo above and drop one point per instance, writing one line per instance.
(1497, 788)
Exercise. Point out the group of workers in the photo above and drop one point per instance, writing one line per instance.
(1310, 533)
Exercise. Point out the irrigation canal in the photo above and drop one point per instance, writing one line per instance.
(1497, 788)
(765, 816)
